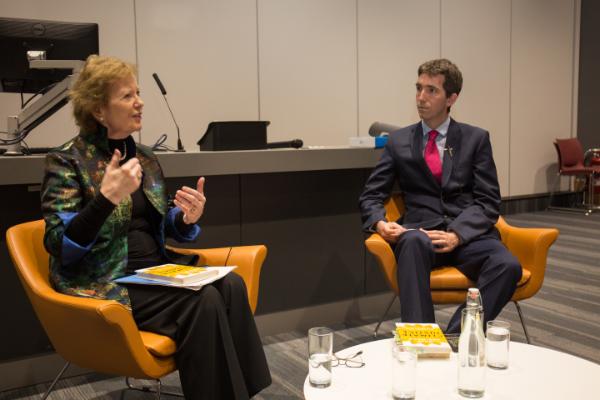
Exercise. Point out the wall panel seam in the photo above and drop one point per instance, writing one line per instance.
(440, 31)
(510, 49)
(575, 67)
(357, 71)
(257, 62)
(135, 41)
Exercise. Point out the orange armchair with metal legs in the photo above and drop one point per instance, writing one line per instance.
(449, 285)
(101, 335)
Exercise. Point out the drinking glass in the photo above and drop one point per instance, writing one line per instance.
(404, 373)
(320, 347)
(497, 342)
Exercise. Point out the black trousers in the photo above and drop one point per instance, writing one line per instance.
(219, 352)
(484, 260)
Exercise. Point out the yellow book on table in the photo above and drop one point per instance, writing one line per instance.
(175, 273)
(427, 339)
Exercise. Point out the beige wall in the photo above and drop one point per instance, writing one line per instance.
(542, 87)
(392, 42)
(117, 37)
(481, 48)
(324, 70)
(307, 66)
(205, 55)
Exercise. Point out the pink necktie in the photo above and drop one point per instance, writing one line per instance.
(432, 156)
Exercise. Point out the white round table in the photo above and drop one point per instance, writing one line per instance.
(534, 373)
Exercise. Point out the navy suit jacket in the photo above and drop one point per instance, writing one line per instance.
(468, 200)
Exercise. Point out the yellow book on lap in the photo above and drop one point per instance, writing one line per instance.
(426, 339)
(175, 273)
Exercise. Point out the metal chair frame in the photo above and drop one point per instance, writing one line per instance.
(144, 388)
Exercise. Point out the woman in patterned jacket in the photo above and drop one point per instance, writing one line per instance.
(105, 206)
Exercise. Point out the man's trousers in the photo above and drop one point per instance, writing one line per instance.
(484, 260)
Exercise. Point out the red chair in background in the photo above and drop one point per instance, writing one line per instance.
(571, 162)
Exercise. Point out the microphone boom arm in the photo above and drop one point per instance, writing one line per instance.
(163, 91)
(179, 144)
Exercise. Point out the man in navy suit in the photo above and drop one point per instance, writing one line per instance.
(446, 173)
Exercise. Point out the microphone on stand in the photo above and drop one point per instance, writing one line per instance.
(296, 144)
(164, 94)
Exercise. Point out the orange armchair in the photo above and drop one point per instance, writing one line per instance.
(449, 285)
(101, 334)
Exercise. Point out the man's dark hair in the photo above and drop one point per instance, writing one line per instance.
(451, 73)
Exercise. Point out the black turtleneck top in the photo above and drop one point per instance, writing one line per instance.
(143, 250)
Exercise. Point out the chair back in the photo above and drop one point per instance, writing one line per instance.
(97, 334)
(394, 207)
(570, 154)
(26, 248)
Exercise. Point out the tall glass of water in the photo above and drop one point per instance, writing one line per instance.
(497, 342)
(404, 373)
(320, 354)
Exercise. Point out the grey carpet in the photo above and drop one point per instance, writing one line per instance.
(564, 315)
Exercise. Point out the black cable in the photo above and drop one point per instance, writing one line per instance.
(228, 254)
(159, 146)
(44, 90)
(22, 135)
(161, 139)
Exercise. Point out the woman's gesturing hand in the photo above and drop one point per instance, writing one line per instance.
(120, 181)
(191, 202)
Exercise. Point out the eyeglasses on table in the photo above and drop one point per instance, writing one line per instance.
(353, 361)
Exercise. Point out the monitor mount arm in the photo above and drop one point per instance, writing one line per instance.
(45, 106)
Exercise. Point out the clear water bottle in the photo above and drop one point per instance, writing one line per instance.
(471, 354)
(474, 299)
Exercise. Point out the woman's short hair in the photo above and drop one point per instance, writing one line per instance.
(91, 90)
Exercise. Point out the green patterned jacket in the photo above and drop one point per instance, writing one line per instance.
(73, 174)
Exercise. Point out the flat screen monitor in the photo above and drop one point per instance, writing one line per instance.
(59, 41)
